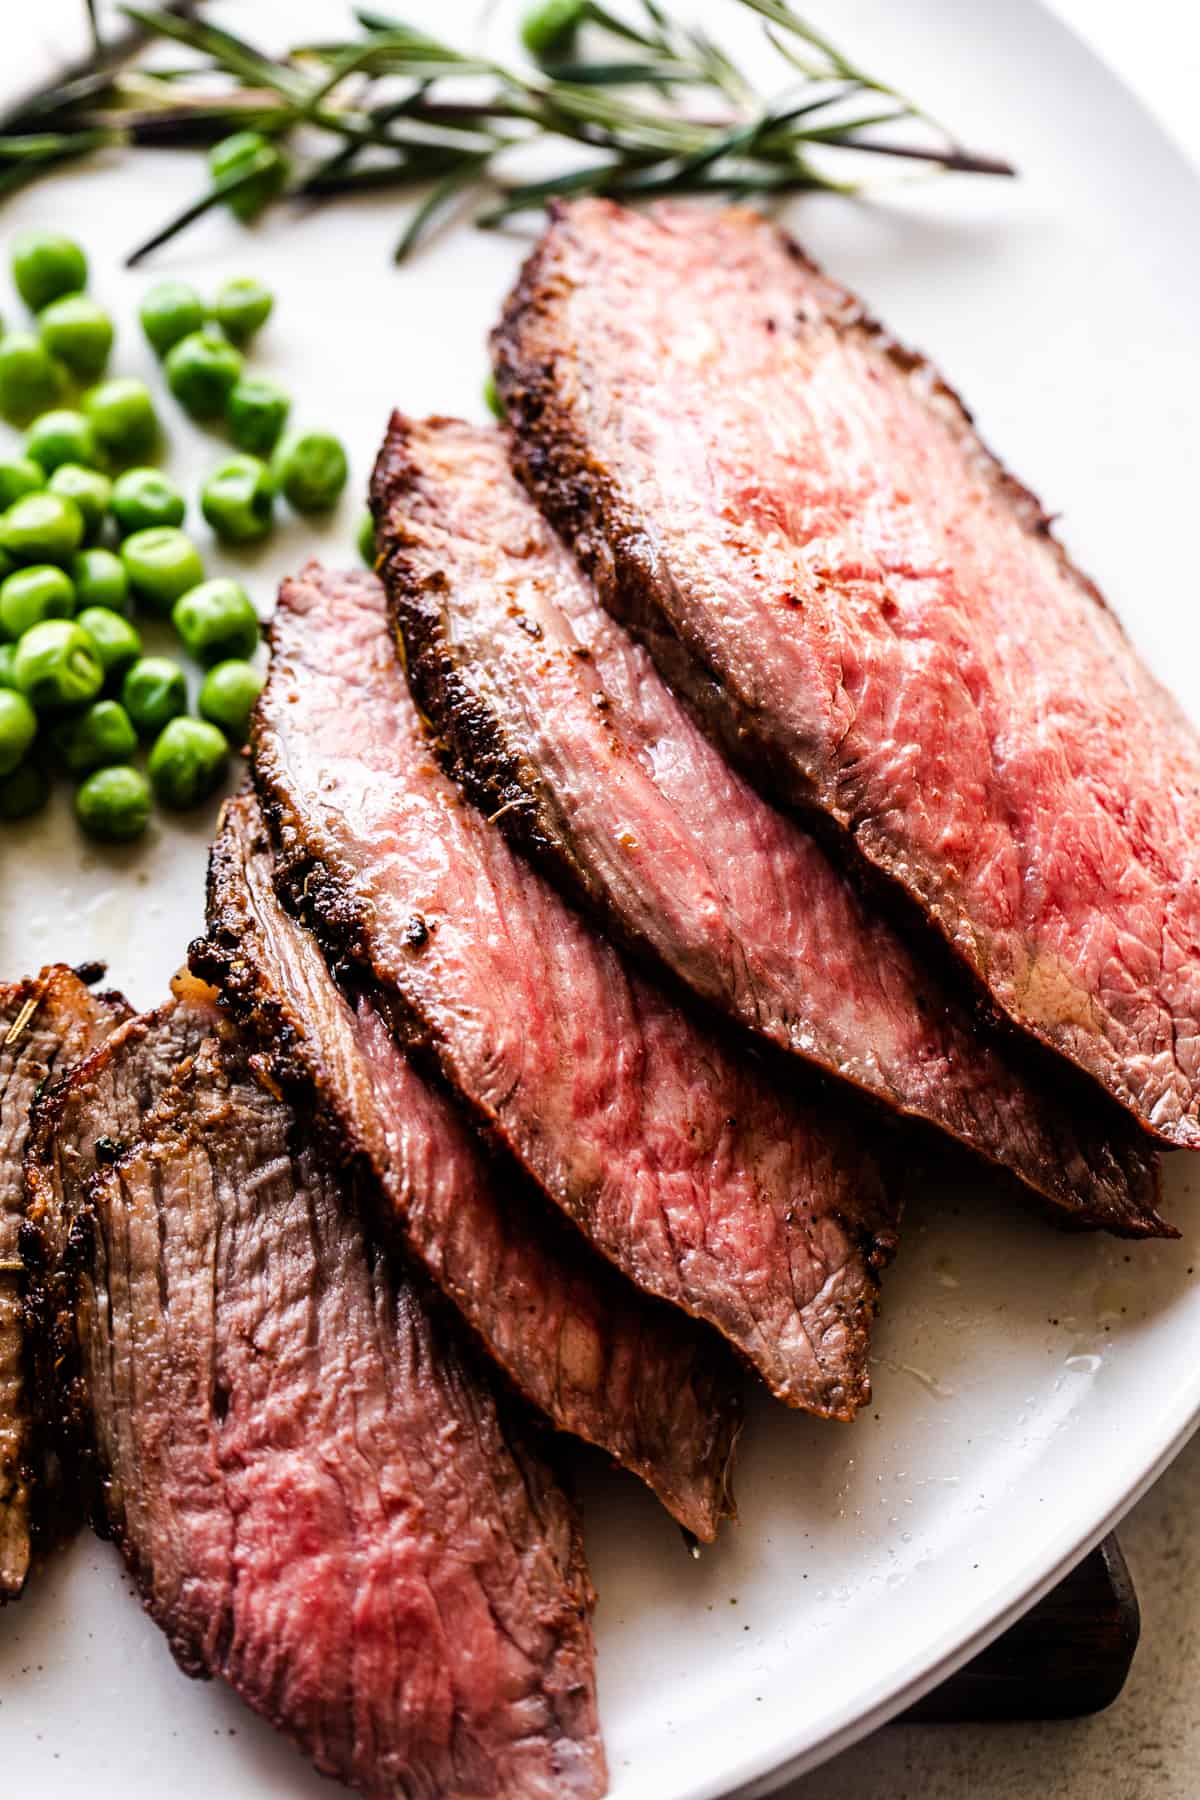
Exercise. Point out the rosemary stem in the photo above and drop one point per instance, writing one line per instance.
(223, 189)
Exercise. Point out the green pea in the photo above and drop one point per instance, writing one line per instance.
(24, 792)
(90, 491)
(311, 471)
(216, 620)
(29, 382)
(59, 437)
(144, 497)
(548, 30)
(238, 500)
(113, 805)
(227, 696)
(237, 155)
(8, 658)
(256, 413)
(18, 728)
(170, 310)
(41, 528)
(365, 538)
(45, 267)
(117, 642)
(123, 417)
(153, 693)
(100, 580)
(18, 477)
(491, 397)
(96, 738)
(57, 666)
(30, 595)
(161, 564)
(242, 307)
(79, 333)
(202, 370)
(187, 762)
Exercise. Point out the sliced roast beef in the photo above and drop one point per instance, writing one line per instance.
(319, 1500)
(80, 1125)
(45, 1024)
(873, 616)
(683, 1164)
(557, 723)
(601, 1360)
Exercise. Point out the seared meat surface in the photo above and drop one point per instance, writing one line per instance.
(683, 1164)
(559, 725)
(45, 1024)
(875, 619)
(600, 1360)
(317, 1495)
(80, 1125)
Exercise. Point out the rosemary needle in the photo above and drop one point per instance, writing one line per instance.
(636, 101)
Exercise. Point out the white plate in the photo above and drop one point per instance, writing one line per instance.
(1028, 1385)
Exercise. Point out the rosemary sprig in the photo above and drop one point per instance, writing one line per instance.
(637, 103)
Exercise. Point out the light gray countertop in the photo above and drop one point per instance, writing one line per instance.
(1146, 1746)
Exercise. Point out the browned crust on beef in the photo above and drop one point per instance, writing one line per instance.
(73, 1136)
(1103, 1174)
(469, 743)
(45, 1023)
(578, 495)
(681, 1444)
(202, 1477)
(315, 895)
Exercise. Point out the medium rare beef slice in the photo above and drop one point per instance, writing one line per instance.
(876, 620)
(601, 1360)
(559, 725)
(80, 1125)
(319, 1499)
(45, 1024)
(683, 1164)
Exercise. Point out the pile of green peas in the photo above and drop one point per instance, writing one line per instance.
(202, 351)
(91, 535)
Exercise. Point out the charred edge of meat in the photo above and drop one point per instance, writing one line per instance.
(579, 498)
(220, 958)
(51, 1514)
(632, 600)
(490, 768)
(469, 743)
(70, 1480)
(200, 1650)
(317, 898)
(312, 894)
(285, 1054)
(508, 788)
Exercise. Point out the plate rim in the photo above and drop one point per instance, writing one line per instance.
(756, 1775)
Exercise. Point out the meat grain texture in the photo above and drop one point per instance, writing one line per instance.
(681, 1163)
(797, 515)
(599, 1359)
(558, 724)
(45, 1024)
(80, 1125)
(318, 1498)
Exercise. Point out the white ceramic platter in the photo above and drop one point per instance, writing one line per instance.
(1028, 1386)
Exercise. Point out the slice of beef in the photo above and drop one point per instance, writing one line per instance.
(317, 1496)
(874, 617)
(45, 1024)
(81, 1124)
(557, 723)
(597, 1357)
(683, 1164)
